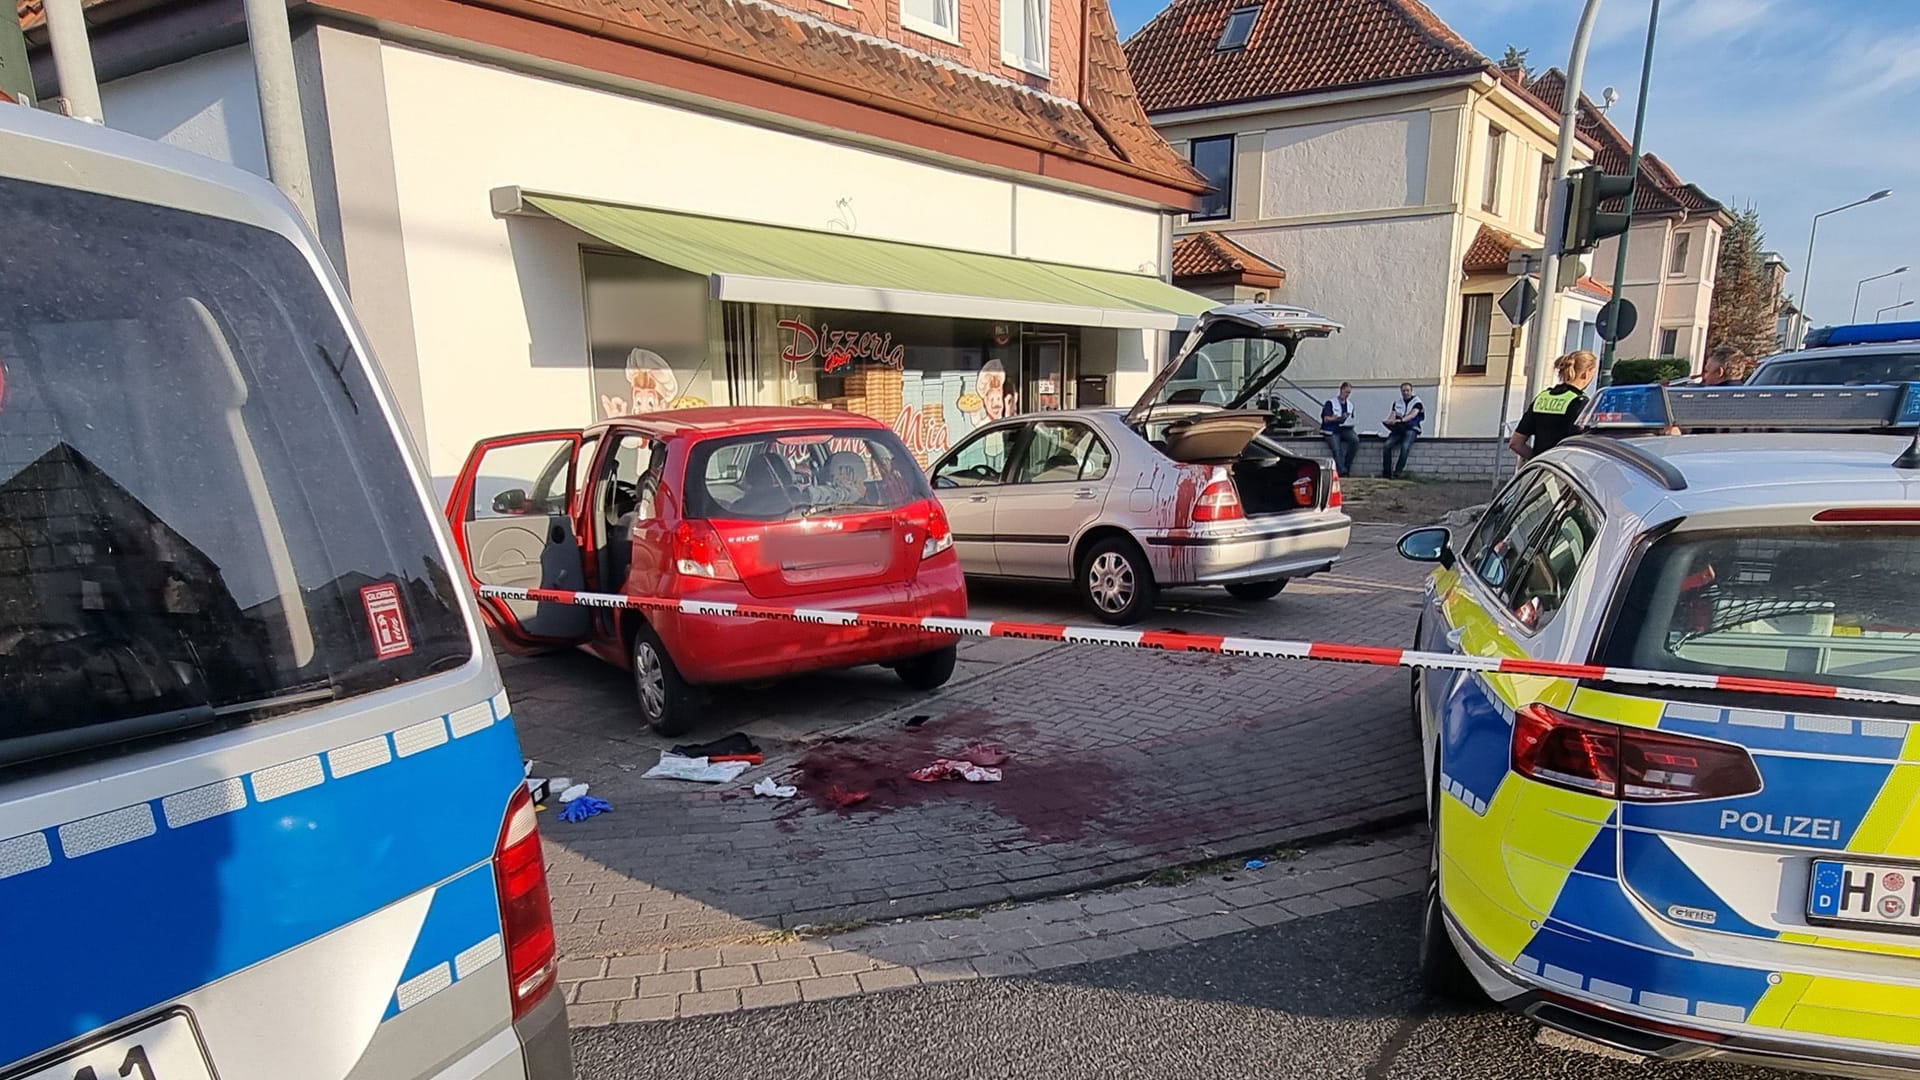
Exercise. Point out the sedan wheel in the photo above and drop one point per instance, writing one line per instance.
(1116, 582)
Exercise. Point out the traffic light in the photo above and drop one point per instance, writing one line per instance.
(1587, 225)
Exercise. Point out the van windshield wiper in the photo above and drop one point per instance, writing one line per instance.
(24, 748)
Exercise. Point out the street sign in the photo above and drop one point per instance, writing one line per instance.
(1617, 319)
(1518, 302)
(1524, 260)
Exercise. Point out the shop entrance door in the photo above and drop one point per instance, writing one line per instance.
(1043, 373)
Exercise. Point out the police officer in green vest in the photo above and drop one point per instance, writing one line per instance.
(1557, 408)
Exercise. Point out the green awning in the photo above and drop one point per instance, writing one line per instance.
(770, 264)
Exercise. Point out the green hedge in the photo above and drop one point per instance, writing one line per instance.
(1650, 370)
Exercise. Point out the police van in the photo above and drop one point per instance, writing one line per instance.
(261, 800)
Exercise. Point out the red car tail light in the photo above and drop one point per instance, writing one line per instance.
(1626, 763)
(939, 533)
(1870, 513)
(1219, 502)
(526, 918)
(698, 551)
(1334, 498)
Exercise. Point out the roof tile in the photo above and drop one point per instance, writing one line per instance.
(1489, 250)
(1211, 255)
(1296, 46)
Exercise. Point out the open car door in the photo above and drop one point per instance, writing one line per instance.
(512, 516)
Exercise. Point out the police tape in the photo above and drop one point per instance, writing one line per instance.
(1225, 645)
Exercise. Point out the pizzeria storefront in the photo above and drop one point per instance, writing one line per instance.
(685, 311)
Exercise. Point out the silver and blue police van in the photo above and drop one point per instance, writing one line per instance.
(262, 810)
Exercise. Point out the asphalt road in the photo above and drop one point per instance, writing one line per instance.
(1326, 997)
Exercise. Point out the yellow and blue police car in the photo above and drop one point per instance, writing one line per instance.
(1697, 870)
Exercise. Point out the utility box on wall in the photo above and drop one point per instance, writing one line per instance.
(16, 78)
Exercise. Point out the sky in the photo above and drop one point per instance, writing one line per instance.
(1790, 106)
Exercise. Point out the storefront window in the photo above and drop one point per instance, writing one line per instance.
(648, 333)
(931, 379)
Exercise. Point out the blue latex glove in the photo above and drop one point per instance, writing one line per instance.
(584, 807)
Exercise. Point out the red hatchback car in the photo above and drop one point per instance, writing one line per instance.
(781, 507)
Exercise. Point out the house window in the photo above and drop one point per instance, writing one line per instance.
(1214, 158)
(934, 18)
(1476, 331)
(1490, 182)
(1670, 342)
(1545, 201)
(1678, 263)
(1239, 28)
(1023, 35)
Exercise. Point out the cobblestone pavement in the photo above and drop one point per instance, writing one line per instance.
(1016, 940)
(1124, 761)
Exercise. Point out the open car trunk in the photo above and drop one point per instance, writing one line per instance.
(1268, 480)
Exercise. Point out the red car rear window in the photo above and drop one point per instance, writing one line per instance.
(789, 474)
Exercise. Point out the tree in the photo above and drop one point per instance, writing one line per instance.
(1744, 305)
(1515, 60)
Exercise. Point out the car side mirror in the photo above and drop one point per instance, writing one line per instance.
(1434, 545)
(510, 501)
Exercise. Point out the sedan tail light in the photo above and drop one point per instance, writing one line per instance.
(698, 551)
(939, 534)
(1627, 763)
(1219, 501)
(526, 918)
(1334, 498)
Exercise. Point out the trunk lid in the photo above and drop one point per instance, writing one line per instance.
(1231, 354)
(810, 511)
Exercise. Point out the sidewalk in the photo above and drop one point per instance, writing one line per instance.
(787, 969)
(1124, 762)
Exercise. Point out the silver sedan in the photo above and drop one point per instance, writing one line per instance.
(1123, 505)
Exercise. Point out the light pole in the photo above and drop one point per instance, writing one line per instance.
(1891, 307)
(1815, 232)
(1856, 290)
(1633, 170)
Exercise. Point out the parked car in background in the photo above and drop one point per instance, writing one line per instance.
(1868, 354)
(1183, 489)
(784, 507)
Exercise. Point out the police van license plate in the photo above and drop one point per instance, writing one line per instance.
(1868, 894)
(167, 1049)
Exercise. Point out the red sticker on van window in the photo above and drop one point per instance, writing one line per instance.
(388, 621)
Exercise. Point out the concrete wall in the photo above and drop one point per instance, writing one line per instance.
(1432, 458)
(497, 305)
(1365, 164)
(208, 105)
(1386, 280)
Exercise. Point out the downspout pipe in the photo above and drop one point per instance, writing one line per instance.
(73, 60)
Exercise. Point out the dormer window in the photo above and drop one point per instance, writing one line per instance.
(1239, 28)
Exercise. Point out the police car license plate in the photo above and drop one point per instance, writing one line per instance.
(166, 1049)
(1867, 894)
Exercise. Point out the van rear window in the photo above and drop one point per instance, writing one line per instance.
(774, 477)
(1851, 370)
(1836, 606)
(204, 515)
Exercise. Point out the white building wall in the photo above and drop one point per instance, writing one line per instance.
(208, 104)
(497, 304)
(1375, 163)
(1387, 281)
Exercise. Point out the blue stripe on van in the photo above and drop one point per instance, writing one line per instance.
(133, 910)
(462, 932)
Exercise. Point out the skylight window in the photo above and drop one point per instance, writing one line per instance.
(1239, 28)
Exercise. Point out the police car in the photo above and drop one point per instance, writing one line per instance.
(1859, 354)
(1688, 872)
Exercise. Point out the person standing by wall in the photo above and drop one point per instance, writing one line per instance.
(1403, 427)
(1336, 424)
(1553, 413)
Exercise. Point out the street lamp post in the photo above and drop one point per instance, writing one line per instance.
(1815, 232)
(1891, 307)
(1863, 281)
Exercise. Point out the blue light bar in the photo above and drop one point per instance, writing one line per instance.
(1862, 334)
(1653, 407)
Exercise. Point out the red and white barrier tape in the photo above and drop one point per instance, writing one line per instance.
(1180, 641)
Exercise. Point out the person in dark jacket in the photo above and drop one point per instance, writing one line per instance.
(1556, 409)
